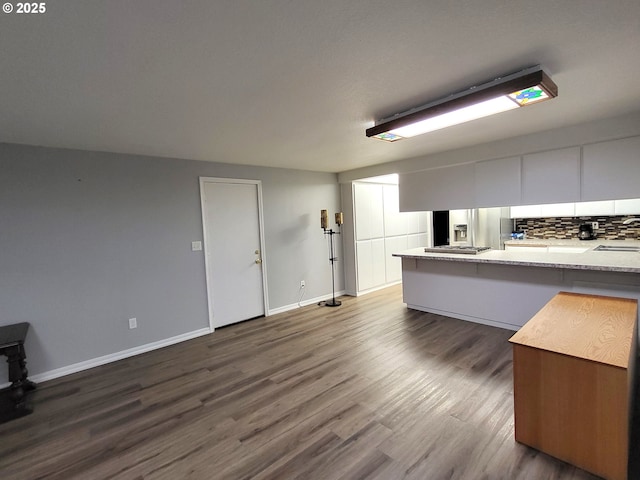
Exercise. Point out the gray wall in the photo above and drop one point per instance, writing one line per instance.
(88, 240)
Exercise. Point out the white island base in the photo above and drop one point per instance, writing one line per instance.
(499, 294)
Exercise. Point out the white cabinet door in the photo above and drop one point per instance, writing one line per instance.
(395, 222)
(368, 211)
(419, 240)
(627, 207)
(551, 177)
(413, 222)
(498, 182)
(526, 211)
(418, 222)
(379, 262)
(371, 264)
(364, 260)
(611, 170)
(443, 188)
(557, 210)
(393, 265)
(587, 209)
(424, 219)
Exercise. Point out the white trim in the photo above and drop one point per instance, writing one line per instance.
(114, 357)
(263, 253)
(304, 303)
(468, 318)
(380, 287)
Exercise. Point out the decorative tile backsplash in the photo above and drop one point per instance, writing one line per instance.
(609, 227)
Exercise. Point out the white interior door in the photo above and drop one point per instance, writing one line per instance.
(233, 249)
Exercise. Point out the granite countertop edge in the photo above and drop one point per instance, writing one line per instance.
(571, 242)
(595, 261)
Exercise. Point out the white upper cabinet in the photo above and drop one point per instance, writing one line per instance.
(580, 209)
(543, 211)
(419, 240)
(558, 210)
(498, 182)
(525, 211)
(395, 222)
(627, 207)
(602, 171)
(587, 209)
(551, 177)
(445, 188)
(368, 211)
(611, 170)
(418, 222)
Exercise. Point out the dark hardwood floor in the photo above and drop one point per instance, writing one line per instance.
(369, 390)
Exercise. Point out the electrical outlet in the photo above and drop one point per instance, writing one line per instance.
(133, 323)
(302, 284)
(594, 225)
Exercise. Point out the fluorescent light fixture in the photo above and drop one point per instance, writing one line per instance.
(520, 89)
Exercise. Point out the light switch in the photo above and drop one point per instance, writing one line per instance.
(196, 246)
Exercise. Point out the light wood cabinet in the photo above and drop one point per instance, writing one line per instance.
(610, 170)
(552, 176)
(572, 373)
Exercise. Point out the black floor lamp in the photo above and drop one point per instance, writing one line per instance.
(324, 223)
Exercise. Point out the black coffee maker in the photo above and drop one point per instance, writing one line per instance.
(585, 232)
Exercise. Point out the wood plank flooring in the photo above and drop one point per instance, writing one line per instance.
(369, 390)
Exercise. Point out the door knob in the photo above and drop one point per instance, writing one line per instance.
(258, 260)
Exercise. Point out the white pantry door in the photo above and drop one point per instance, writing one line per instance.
(231, 211)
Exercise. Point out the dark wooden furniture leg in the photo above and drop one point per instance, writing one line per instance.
(17, 391)
(12, 339)
(27, 384)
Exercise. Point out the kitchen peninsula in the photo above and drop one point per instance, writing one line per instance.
(505, 288)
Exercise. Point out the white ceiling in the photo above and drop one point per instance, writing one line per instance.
(289, 83)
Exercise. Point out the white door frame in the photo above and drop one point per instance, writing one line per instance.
(263, 265)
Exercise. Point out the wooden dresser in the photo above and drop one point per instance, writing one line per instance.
(573, 374)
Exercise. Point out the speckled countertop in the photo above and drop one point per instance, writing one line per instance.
(628, 262)
(571, 242)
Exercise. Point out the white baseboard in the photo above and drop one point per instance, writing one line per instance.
(375, 289)
(304, 303)
(112, 357)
